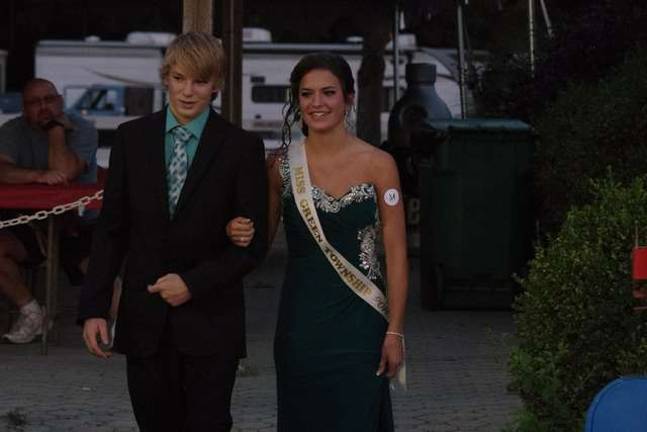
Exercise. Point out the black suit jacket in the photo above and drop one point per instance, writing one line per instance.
(227, 178)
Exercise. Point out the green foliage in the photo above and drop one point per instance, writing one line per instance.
(526, 421)
(591, 38)
(503, 87)
(589, 128)
(575, 321)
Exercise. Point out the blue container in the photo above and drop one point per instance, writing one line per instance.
(621, 406)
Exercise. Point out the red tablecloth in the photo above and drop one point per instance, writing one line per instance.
(45, 197)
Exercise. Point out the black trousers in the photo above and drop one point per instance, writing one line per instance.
(174, 392)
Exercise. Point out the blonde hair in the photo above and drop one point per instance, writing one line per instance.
(201, 54)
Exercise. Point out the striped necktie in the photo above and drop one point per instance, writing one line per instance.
(178, 166)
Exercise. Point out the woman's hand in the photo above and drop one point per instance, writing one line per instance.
(240, 231)
(392, 355)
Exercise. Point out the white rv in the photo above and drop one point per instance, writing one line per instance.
(94, 75)
(267, 66)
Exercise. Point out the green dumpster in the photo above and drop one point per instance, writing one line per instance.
(475, 209)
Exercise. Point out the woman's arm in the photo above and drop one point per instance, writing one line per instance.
(241, 230)
(275, 183)
(391, 208)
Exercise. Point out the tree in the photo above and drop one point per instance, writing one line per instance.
(590, 40)
(374, 22)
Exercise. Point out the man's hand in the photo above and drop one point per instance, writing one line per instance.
(240, 231)
(172, 289)
(93, 329)
(51, 177)
(62, 122)
(65, 121)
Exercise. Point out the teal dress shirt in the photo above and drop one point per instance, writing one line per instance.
(195, 126)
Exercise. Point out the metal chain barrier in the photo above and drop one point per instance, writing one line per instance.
(57, 210)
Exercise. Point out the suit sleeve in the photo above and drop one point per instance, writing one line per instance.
(234, 262)
(109, 241)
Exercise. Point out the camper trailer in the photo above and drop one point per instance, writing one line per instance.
(267, 66)
(96, 77)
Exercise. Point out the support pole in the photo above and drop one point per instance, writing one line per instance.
(461, 57)
(232, 38)
(197, 15)
(531, 35)
(396, 53)
(549, 25)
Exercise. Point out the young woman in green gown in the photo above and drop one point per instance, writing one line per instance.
(334, 353)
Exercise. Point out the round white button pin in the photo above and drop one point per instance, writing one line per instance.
(391, 197)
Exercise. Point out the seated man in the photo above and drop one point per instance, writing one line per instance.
(44, 145)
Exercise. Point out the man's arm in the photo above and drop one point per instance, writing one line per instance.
(12, 174)
(251, 202)
(60, 156)
(108, 250)
(110, 239)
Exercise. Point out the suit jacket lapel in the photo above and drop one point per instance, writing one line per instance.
(210, 144)
(158, 161)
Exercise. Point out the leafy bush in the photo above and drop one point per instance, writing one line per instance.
(575, 323)
(589, 128)
(503, 86)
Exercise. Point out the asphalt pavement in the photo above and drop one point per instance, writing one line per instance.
(456, 360)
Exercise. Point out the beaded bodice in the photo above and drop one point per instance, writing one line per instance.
(351, 222)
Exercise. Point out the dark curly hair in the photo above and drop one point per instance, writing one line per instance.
(335, 64)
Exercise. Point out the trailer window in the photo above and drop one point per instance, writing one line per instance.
(270, 93)
(99, 99)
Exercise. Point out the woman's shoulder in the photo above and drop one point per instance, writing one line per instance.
(374, 158)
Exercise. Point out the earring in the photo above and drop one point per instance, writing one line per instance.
(349, 118)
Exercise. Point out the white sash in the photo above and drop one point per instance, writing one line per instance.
(302, 191)
(351, 275)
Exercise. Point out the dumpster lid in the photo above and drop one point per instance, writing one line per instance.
(478, 124)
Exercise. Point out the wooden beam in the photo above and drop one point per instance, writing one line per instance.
(197, 15)
(232, 39)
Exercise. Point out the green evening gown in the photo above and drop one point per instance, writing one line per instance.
(328, 340)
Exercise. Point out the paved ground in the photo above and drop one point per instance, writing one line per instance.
(456, 364)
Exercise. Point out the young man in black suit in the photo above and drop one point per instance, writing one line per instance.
(176, 178)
